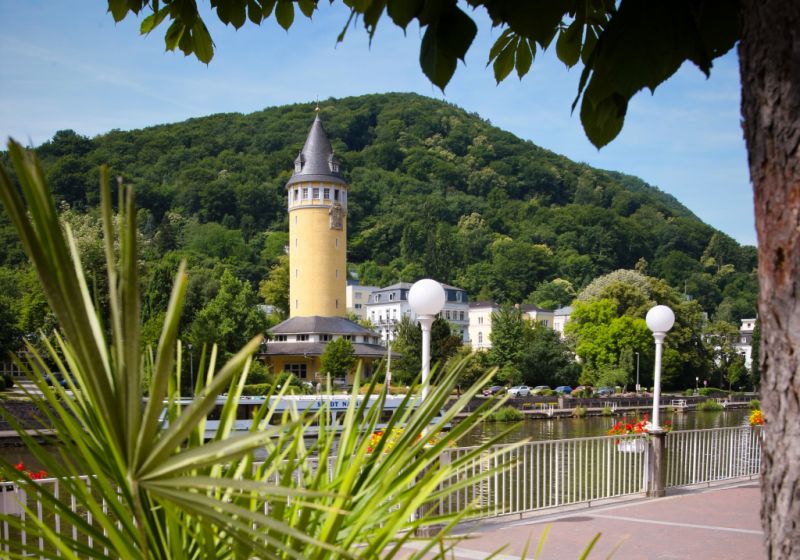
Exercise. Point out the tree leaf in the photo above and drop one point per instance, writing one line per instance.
(266, 8)
(568, 46)
(254, 12)
(237, 13)
(502, 42)
(504, 62)
(152, 21)
(284, 13)
(118, 9)
(602, 120)
(524, 57)
(403, 11)
(307, 7)
(203, 45)
(456, 31)
(436, 64)
(174, 35)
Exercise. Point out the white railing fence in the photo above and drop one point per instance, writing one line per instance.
(705, 456)
(548, 474)
(531, 477)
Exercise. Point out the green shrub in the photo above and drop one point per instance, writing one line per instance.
(582, 394)
(547, 393)
(713, 392)
(688, 392)
(755, 404)
(606, 411)
(256, 389)
(578, 412)
(506, 414)
(710, 406)
(259, 374)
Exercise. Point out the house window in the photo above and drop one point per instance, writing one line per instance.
(324, 338)
(544, 322)
(460, 315)
(458, 296)
(447, 314)
(337, 242)
(480, 338)
(326, 193)
(378, 297)
(280, 338)
(394, 313)
(337, 273)
(358, 295)
(391, 297)
(373, 316)
(295, 242)
(296, 303)
(302, 338)
(295, 219)
(315, 193)
(305, 193)
(296, 273)
(348, 337)
(480, 320)
(337, 302)
(297, 370)
(297, 194)
(335, 194)
(358, 306)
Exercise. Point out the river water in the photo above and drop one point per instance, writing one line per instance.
(590, 426)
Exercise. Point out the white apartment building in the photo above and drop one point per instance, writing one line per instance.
(480, 323)
(387, 306)
(744, 345)
(356, 297)
(560, 319)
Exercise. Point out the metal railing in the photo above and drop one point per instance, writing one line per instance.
(718, 454)
(527, 478)
(547, 474)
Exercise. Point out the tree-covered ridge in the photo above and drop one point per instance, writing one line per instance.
(435, 191)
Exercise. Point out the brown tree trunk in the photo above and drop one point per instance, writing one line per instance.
(770, 70)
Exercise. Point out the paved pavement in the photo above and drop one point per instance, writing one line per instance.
(713, 523)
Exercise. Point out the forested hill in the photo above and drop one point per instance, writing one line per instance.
(435, 191)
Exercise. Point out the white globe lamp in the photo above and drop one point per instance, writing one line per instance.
(426, 297)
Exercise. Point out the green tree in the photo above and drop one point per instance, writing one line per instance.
(275, 288)
(338, 358)
(408, 343)
(508, 336)
(546, 360)
(553, 294)
(230, 319)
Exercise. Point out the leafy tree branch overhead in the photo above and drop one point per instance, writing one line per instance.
(623, 47)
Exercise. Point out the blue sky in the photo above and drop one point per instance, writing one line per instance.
(65, 64)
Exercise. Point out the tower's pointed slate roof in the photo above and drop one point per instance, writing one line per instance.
(316, 161)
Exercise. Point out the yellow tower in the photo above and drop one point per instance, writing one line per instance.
(317, 196)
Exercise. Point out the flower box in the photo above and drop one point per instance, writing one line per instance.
(637, 445)
(10, 498)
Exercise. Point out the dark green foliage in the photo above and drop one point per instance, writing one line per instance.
(338, 359)
(408, 343)
(506, 414)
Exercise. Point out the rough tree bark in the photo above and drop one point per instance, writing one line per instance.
(770, 71)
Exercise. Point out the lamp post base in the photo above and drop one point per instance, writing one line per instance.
(656, 465)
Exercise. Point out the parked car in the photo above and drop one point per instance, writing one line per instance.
(604, 392)
(564, 389)
(493, 390)
(539, 389)
(519, 391)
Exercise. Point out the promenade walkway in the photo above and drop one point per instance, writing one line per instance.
(712, 523)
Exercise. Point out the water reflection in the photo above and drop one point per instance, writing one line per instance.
(566, 428)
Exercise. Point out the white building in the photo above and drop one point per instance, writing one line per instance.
(480, 323)
(744, 345)
(536, 314)
(387, 306)
(356, 297)
(560, 319)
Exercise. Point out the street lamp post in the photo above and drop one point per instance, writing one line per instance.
(637, 372)
(659, 320)
(426, 297)
(697, 385)
(191, 369)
